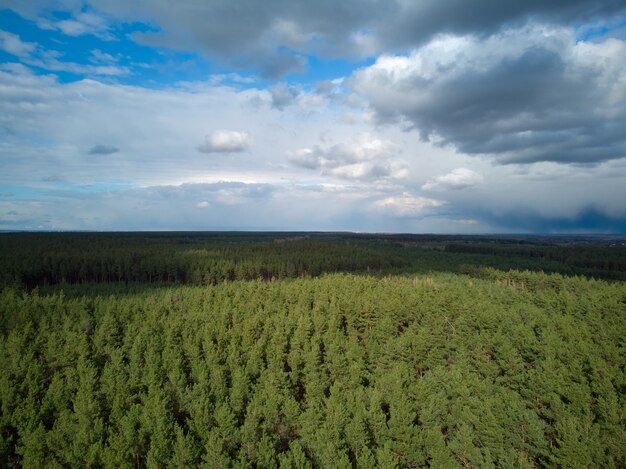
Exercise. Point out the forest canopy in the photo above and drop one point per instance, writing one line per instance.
(310, 350)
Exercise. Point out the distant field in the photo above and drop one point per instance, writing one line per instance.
(311, 350)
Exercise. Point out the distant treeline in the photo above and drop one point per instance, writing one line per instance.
(41, 259)
(602, 262)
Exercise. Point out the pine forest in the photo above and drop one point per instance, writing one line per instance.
(311, 350)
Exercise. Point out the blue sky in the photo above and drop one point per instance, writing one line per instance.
(385, 116)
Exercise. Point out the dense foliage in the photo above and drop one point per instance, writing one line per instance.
(477, 369)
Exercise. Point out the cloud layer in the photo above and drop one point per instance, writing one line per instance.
(275, 35)
(32, 54)
(379, 115)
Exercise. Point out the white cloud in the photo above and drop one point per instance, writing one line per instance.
(306, 158)
(366, 171)
(12, 44)
(99, 57)
(366, 158)
(365, 149)
(51, 126)
(48, 60)
(459, 178)
(408, 205)
(203, 204)
(32, 54)
(226, 141)
(82, 23)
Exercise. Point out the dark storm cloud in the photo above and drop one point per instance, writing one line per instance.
(588, 220)
(525, 96)
(419, 21)
(103, 150)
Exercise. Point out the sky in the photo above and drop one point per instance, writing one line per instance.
(421, 116)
